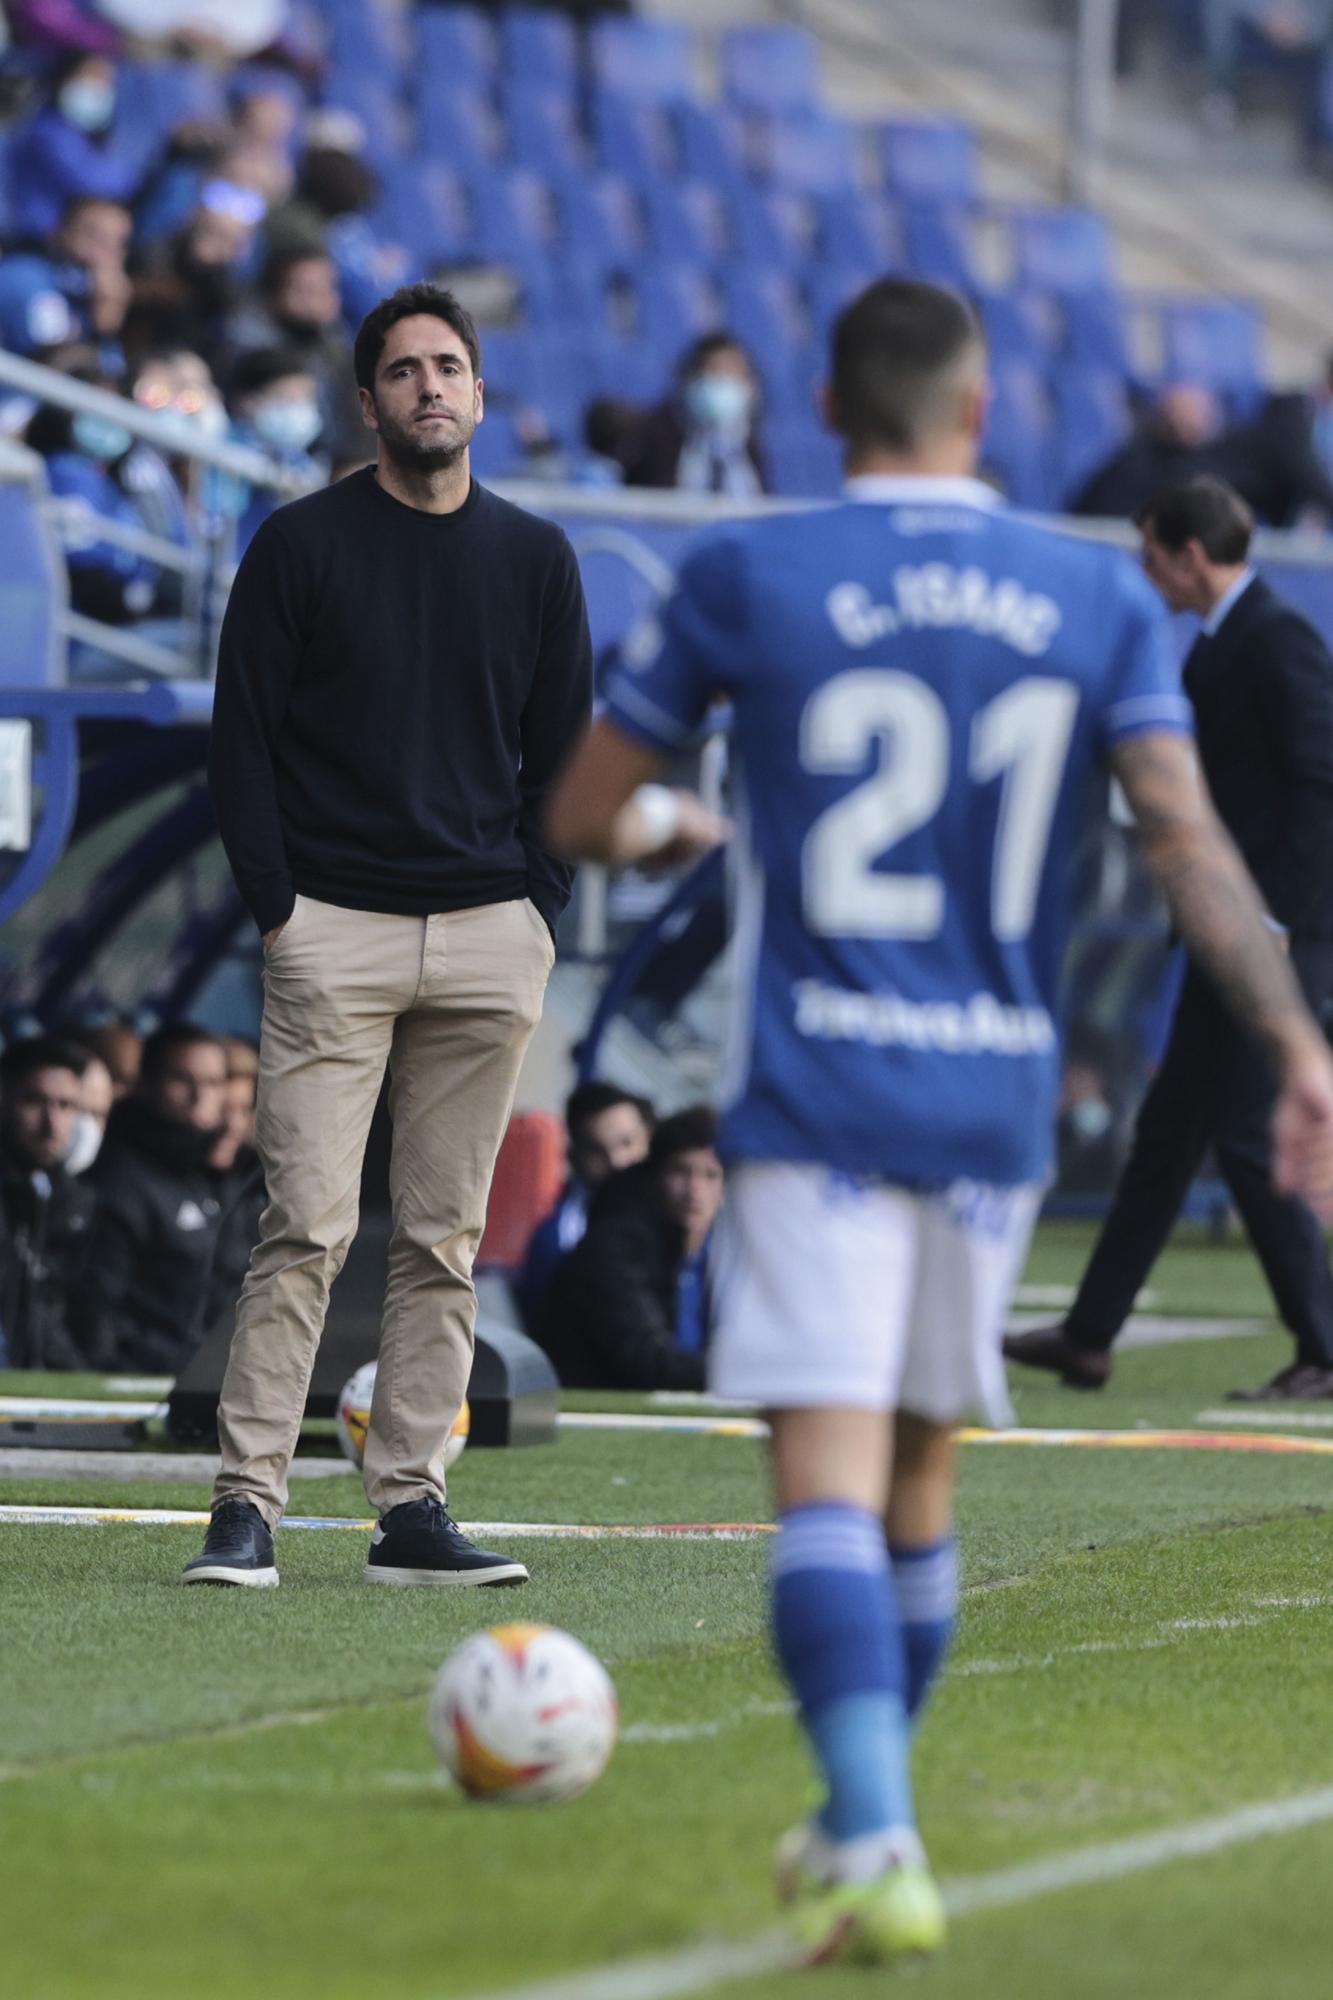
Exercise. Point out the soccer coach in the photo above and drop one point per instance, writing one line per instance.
(404, 667)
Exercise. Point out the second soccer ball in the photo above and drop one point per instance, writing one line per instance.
(354, 1419)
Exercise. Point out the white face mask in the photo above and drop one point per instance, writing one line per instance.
(720, 403)
(288, 426)
(88, 104)
(85, 1145)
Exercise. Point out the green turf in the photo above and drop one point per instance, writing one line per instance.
(211, 1794)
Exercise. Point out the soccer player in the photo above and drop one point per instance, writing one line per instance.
(923, 686)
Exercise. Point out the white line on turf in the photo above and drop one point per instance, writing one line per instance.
(1264, 1417)
(700, 1967)
(173, 1517)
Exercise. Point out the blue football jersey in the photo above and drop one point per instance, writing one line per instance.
(923, 686)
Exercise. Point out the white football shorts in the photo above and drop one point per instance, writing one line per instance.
(834, 1291)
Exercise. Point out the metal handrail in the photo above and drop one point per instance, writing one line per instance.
(73, 521)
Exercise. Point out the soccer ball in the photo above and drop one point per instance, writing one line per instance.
(523, 1712)
(354, 1419)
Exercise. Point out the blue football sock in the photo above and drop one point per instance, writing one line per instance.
(838, 1638)
(926, 1587)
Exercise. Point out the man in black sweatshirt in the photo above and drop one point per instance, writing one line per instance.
(404, 666)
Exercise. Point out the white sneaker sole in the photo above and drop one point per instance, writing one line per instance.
(247, 1579)
(444, 1579)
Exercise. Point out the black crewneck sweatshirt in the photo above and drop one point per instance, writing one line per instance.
(396, 693)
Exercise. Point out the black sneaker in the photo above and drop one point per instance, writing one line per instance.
(238, 1548)
(419, 1543)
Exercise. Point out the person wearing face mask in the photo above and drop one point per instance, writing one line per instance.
(45, 1214)
(69, 149)
(97, 1094)
(704, 439)
(301, 309)
(274, 404)
(73, 288)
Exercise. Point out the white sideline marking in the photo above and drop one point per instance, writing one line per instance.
(1268, 1608)
(701, 1966)
(38, 1408)
(157, 1517)
(1263, 1416)
(618, 1420)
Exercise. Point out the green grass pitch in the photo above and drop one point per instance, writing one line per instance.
(206, 1795)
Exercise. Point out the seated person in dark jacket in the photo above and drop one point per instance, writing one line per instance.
(628, 1309)
(168, 1254)
(609, 1128)
(44, 1211)
(704, 438)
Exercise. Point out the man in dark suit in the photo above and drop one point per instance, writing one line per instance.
(1261, 681)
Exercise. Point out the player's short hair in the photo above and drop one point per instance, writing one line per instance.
(691, 1131)
(896, 355)
(163, 1043)
(1203, 510)
(24, 1058)
(405, 303)
(590, 1100)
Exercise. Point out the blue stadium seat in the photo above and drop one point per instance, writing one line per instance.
(810, 153)
(770, 69)
(456, 45)
(376, 101)
(1020, 326)
(563, 294)
(929, 159)
(496, 450)
(1093, 419)
(830, 287)
(631, 138)
(506, 363)
(763, 309)
(152, 97)
(601, 222)
(539, 44)
(712, 145)
(632, 369)
(1064, 250)
(512, 217)
(1097, 332)
(542, 125)
(861, 230)
(373, 37)
(1217, 342)
(32, 587)
(686, 221)
(675, 303)
(937, 244)
(459, 127)
(424, 206)
(805, 460)
(1018, 445)
(649, 62)
(773, 229)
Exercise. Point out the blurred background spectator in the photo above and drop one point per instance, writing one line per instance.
(45, 1213)
(274, 404)
(68, 152)
(608, 1129)
(118, 1046)
(628, 1308)
(72, 287)
(704, 438)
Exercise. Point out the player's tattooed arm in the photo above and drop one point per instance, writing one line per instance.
(1213, 899)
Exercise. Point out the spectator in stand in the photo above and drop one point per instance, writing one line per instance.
(68, 153)
(97, 1094)
(193, 284)
(628, 1309)
(336, 190)
(609, 1129)
(1295, 26)
(45, 1214)
(704, 438)
(1281, 462)
(76, 288)
(1176, 442)
(88, 466)
(116, 1044)
(274, 405)
(300, 308)
(169, 1240)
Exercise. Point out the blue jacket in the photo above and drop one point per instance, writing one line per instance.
(52, 162)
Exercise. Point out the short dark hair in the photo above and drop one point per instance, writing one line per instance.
(262, 367)
(405, 303)
(279, 262)
(1203, 510)
(693, 1130)
(894, 350)
(162, 1044)
(24, 1058)
(590, 1100)
(720, 341)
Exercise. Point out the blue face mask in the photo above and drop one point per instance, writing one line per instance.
(720, 403)
(100, 437)
(88, 104)
(288, 426)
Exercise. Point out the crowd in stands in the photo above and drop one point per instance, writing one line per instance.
(1231, 43)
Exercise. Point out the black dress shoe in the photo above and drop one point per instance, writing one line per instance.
(419, 1543)
(1050, 1347)
(238, 1549)
(1302, 1382)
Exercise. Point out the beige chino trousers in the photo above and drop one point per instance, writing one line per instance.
(449, 1003)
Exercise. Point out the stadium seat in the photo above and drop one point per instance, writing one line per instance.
(376, 101)
(712, 146)
(646, 62)
(1063, 250)
(1217, 342)
(686, 221)
(804, 459)
(154, 97)
(529, 1174)
(456, 46)
(600, 221)
(458, 126)
(632, 369)
(424, 206)
(1019, 436)
(830, 287)
(770, 69)
(811, 153)
(542, 128)
(1097, 332)
(540, 45)
(763, 309)
(778, 230)
(937, 244)
(1093, 419)
(631, 139)
(1020, 326)
(929, 159)
(512, 216)
(679, 297)
(370, 38)
(860, 230)
(496, 450)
